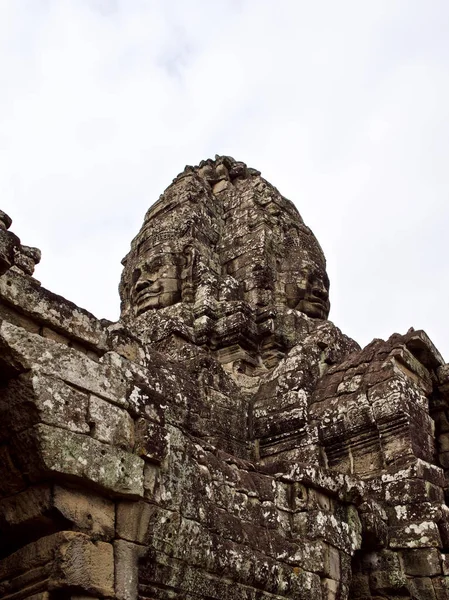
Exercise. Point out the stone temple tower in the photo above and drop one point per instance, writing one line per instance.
(224, 439)
(237, 257)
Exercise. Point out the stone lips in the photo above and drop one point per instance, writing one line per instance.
(223, 440)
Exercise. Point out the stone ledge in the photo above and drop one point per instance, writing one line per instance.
(68, 454)
(52, 310)
(23, 351)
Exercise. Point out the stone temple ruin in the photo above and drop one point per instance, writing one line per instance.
(223, 440)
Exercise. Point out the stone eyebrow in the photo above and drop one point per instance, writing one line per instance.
(155, 263)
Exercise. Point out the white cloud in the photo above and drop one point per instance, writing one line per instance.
(342, 105)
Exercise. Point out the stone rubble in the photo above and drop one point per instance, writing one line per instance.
(223, 440)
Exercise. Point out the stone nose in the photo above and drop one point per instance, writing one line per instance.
(319, 289)
(144, 280)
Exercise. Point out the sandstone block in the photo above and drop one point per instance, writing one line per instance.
(411, 491)
(133, 519)
(30, 556)
(387, 582)
(329, 589)
(31, 508)
(29, 351)
(126, 569)
(442, 421)
(416, 469)
(67, 453)
(110, 423)
(150, 440)
(414, 513)
(304, 585)
(422, 562)
(443, 442)
(8, 313)
(445, 564)
(332, 563)
(441, 587)
(150, 480)
(88, 511)
(84, 565)
(25, 506)
(66, 559)
(59, 403)
(53, 310)
(345, 536)
(422, 588)
(309, 555)
(444, 459)
(415, 535)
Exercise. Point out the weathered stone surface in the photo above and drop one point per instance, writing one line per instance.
(11, 479)
(44, 508)
(25, 506)
(66, 453)
(52, 310)
(110, 424)
(88, 512)
(126, 557)
(54, 402)
(223, 440)
(226, 254)
(24, 351)
(422, 562)
(13, 255)
(133, 520)
(65, 560)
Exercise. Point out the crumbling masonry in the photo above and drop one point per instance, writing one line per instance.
(223, 440)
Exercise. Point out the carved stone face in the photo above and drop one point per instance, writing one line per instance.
(310, 292)
(155, 283)
(219, 257)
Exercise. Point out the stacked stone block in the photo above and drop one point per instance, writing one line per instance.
(223, 439)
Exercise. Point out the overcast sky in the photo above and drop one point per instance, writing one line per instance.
(343, 105)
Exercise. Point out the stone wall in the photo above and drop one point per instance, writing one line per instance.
(140, 459)
(109, 462)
